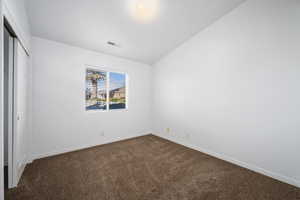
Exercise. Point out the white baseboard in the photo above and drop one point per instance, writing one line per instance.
(80, 147)
(20, 170)
(251, 167)
(29, 160)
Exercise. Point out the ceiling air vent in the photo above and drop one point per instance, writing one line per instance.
(113, 44)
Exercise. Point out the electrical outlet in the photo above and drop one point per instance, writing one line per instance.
(168, 130)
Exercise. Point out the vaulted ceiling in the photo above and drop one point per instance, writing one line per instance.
(143, 30)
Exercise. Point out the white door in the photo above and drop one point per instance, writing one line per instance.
(8, 103)
(19, 118)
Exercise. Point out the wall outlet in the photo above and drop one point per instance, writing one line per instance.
(168, 130)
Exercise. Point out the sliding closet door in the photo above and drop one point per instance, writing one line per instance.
(20, 111)
(8, 103)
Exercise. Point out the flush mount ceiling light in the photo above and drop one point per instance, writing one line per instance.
(144, 10)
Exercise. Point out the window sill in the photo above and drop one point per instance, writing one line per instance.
(104, 111)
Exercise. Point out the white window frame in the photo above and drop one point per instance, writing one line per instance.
(107, 71)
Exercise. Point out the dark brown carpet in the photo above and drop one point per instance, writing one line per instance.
(144, 168)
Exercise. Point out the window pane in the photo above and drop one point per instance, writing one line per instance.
(95, 90)
(117, 91)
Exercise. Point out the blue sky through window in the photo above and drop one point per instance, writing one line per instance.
(117, 80)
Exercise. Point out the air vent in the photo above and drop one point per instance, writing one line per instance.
(112, 44)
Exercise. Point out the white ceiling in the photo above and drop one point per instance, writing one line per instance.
(91, 23)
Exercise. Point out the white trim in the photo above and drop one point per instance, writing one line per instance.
(107, 90)
(127, 92)
(21, 168)
(82, 146)
(104, 68)
(11, 83)
(1, 106)
(280, 177)
(1, 123)
(14, 173)
(29, 160)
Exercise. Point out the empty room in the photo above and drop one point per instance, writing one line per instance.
(150, 100)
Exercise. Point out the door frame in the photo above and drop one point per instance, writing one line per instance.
(14, 170)
(11, 113)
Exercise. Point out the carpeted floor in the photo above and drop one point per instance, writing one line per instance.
(144, 168)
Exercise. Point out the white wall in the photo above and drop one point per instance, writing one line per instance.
(60, 122)
(233, 89)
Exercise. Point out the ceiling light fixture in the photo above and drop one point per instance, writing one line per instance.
(144, 10)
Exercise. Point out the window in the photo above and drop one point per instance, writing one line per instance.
(105, 90)
(117, 90)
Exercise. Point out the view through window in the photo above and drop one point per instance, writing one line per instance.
(105, 90)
